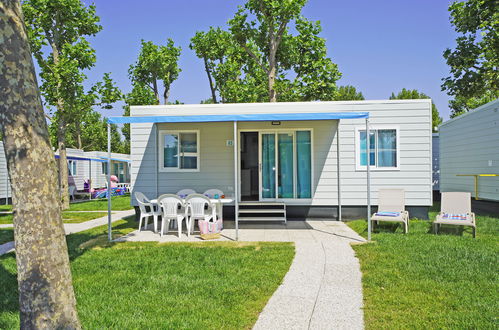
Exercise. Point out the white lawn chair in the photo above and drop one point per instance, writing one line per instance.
(144, 204)
(216, 194)
(391, 207)
(172, 207)
(185, 192)
(199, 207)
(455, 210)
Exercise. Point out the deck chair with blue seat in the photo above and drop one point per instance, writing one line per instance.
(455, 210)
(391, 207)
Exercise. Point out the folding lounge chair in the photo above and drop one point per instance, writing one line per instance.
(391, 207)
(455, 210)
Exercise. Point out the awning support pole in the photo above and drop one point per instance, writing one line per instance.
(236, 182)
(90, 178)
(338, 162)
(109, 233)
(368, 172)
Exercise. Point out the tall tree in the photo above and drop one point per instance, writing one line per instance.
(103, 95)
(46, 296)
(348, 93)
(156, 63)
(408, 94)
(57, 31)
(261, 28)
(140, 95)
(474, 63)
(213, 47)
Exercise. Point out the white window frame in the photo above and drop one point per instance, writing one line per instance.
(161, 142)
(72, 164)
(376, 128)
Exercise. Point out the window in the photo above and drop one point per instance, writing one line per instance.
(72, 167)
(104, 168)
(179, 151)
(383, 148)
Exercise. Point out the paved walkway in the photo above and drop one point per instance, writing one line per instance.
(71, 228)
(322, 289)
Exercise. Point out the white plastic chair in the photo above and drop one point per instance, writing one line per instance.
(145, 203)
(199, 207)
(185, 192)
(170, 205)
(212, 193)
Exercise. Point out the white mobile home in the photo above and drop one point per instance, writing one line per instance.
(5, 191)
(309, 156)
(469, 153)
(84, 165)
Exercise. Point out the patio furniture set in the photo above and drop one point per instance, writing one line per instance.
(184, 205)
(455, 210)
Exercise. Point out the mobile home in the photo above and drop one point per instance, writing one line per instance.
(469, 153)
(308, 156)
(84, 165)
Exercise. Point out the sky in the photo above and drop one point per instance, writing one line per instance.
(380, 46)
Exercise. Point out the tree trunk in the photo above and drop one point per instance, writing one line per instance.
(155, 88)
(46, 297)
(212, 88)
(79, 144)
(272, 63)
(62, 164)
(166, 95)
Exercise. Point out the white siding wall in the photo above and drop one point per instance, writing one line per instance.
(5, 191)
(81, 175)
(470, 145)
(411, 117)
(436, 162)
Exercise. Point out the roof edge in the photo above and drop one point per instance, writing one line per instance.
(480, 108)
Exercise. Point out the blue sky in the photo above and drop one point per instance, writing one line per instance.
(379, 46)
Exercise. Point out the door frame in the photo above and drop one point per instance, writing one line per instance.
(276, 131)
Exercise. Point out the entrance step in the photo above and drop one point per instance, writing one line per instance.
(262, 211)
(262, 219)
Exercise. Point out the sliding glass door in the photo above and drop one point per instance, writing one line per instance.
(285, 165)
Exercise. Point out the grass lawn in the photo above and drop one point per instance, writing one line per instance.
(5, 208)
(207, 285)
(421, 280)
(77, 217)
(67, 217)
(6, 235)
(119, 203)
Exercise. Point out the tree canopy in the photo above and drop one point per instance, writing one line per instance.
(259, 60)
(156, 63)
(348, 93)
(474, 62)
(407, 94)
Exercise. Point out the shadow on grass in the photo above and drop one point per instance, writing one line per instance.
(78, 244)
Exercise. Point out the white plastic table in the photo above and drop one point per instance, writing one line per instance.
(218, 202)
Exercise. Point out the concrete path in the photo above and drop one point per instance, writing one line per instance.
(71, 228)
(322, 289)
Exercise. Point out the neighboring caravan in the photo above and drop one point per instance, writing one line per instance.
(287, 153)
(84, 165)
(469, 153)
(5, 191)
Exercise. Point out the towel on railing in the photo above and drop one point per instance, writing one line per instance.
(450, 216)
(388, 214)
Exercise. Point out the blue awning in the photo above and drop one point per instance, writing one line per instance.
(239, 117)
(117, 160)
(82, 158)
